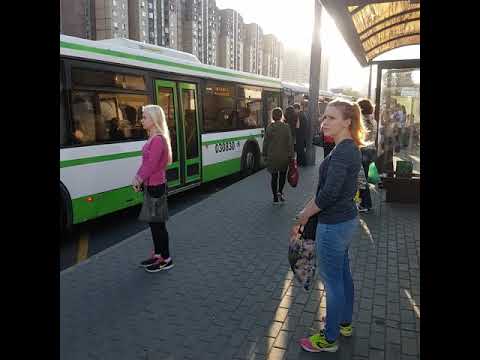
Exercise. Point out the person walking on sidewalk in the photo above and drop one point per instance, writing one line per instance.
(156, 156)
(337, 216)
(300, 134)
(278, 151)
(368, 152)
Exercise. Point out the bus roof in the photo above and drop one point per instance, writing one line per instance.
(295, 87)
(166, 52)
(134, 53)
(304, 89)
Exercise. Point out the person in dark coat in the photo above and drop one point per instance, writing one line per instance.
(291, 119)
(278, 151)
(300, 135)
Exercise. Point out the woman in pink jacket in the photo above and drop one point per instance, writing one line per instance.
(156, 155)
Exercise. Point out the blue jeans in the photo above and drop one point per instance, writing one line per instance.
(332, 244)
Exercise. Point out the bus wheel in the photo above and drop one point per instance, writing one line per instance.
(62, 224)
(65, 230)
(250, 161)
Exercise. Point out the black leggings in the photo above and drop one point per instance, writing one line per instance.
(159, 229)
(160, 239)
(276, 186)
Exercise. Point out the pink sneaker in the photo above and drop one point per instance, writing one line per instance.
(151, 260)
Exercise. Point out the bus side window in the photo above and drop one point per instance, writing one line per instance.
(130, 115)
(250, 107)
(273, 101)
(219, 107)
(116, 119)
(105, 116)
(107, 125)
(250, 113)
(121, 116)
(83, 118)
(63, 124)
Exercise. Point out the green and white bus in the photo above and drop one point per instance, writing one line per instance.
(216, 116)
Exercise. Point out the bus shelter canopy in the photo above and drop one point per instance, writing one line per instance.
(372, 28)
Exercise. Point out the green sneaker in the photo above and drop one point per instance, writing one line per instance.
(318, 343)
(346, 330)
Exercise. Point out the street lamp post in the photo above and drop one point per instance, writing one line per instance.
(315, 63)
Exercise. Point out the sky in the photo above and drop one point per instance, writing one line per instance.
(293, 25)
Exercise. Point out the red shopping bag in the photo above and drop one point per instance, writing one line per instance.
(293, 174)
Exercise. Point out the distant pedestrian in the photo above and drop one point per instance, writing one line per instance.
(386, 145)
(368, 152)
(337, 217)
(300, 134)
(278, 151)
(404, 128)
(156, 156)
(397, 127)
(291, 119)
(403, 120)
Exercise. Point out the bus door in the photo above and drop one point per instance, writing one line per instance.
(180, 103)
(167, 99)
(191, 134)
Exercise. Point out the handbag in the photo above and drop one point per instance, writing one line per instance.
(293, 174)
(302, 254)
(154, 209)
(373, 177)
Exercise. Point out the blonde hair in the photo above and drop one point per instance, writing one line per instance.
(157, 115)
(351, 110)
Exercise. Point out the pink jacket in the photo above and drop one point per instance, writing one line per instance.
(154, 161)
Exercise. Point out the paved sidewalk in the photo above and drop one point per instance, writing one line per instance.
(231, 293)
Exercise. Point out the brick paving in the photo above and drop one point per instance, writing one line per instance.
(231, 294)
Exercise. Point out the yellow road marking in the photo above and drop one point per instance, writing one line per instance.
(82, 250)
